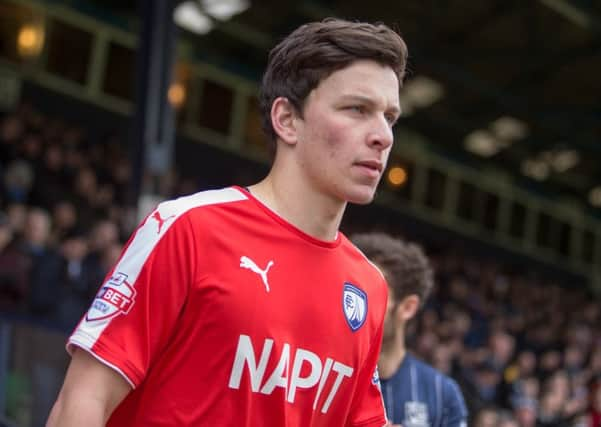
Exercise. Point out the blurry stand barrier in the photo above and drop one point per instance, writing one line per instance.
(33, 362)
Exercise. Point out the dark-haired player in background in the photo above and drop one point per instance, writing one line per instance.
(415, 394)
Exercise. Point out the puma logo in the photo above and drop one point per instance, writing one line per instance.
(161, 221)
(246, 262)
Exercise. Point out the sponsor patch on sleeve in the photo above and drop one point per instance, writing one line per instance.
(375, 379)
(115, 297)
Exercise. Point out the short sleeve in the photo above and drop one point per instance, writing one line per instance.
(136, 309)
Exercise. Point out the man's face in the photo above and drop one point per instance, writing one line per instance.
(345, 134)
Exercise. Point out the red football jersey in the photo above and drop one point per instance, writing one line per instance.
(220, 313)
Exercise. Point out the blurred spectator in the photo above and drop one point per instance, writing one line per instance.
(523, 389)
(525, 412)
(425, 344)
(76, 293)
(550, 412)
(45, 263)
(442, 359)
(549, 362)
(592, 414)
(11, 131)
(31, 149)
(105, 197)
(573, 359)
(50, 179)
(120, 173)
(501, 346)
(74, 161)
(486, 417)
(64, 220)
(14, 269)
(102, 245)
(595, 360)
(484, 381)
(85, 188)
(17, 217)
(506, 419)
(525, 364)
(104, 233)
(18, 181)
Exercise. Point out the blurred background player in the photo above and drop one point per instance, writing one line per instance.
(415, 394)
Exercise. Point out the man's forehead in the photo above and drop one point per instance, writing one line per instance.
(365, 72)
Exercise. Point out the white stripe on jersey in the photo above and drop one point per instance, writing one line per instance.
(145, 239)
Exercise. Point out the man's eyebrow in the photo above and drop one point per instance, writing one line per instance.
(360, 98)
(367, 100)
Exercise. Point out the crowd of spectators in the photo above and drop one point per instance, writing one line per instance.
(525, 352)
(64, 214)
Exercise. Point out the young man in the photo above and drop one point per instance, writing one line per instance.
(415, 394)
(247, 307)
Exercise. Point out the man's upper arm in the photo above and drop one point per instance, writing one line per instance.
(90, 393)
(454, 409)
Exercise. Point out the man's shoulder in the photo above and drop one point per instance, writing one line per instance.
(451, 387)
(202, 198)
(429, 370)
(196, 207)
(359, 259)
(367, 275)
(422, 367)
(451, 392)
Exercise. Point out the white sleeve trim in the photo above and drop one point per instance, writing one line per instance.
(81, 343)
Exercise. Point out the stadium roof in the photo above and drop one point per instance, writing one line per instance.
(506, 85)
(509, 85)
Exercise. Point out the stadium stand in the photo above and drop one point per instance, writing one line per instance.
(524, 346)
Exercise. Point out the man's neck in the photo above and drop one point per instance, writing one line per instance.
(392, 355)
(294, 200)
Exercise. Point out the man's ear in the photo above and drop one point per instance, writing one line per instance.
(283, 115)
(408, 307)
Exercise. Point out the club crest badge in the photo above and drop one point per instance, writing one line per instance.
(416, 415)
(114, 297)
(354, 305)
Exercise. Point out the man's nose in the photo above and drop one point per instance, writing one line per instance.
(381, 135)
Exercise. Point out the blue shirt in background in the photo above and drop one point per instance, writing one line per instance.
(417, 395)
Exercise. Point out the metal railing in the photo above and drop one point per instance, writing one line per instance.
(33, 361)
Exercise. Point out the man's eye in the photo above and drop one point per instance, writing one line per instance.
(357, 108)
(391, 119)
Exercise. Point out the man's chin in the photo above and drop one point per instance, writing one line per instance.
(364, 198)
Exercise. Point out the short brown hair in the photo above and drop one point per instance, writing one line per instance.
(405, 266)
(313, 51)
